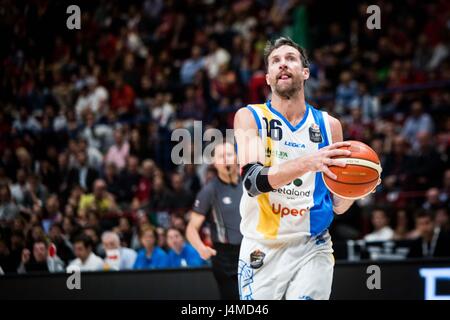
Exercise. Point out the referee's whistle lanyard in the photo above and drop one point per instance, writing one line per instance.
(429, 251)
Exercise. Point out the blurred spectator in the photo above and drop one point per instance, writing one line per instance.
(191, 176)
(382, 230)
(402, 226)
(138, 145)
(432, 201)
(94, 157)
(124, 231)
(143, 192)
(129, 179)
(100, 201)
(181, 254)
(194, 106)
(367, 103)
(25, 122)
(118, 152)
(162, 111)
(62, 174)
(426, 162)
(111, 177)
(161, 240)
(39, 260)
(216, 57)
(82, 174)
(97, 135)
(183, 196)
(418, 121)
(346, 92)
(442, 219)
(355, 128)
(117, 257)
(92, 232)
(70, 228)
(37, 190)
(92, 97)
(122, 97)
(432, 241)
(190, 66)
(19, 190)
(52, 211)
(64, 248)
(150, 256)
(6, 263)
(397, 166)
(444, 193)
(162, 198)
(8, 209)
(86, 260)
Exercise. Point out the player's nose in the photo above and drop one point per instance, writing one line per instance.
(283, 65)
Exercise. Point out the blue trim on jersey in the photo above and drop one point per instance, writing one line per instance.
(321, 214)
(290, 126)
(258, 122)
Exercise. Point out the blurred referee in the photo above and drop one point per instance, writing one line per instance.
(218, 202)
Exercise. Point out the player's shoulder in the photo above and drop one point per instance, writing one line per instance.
(335, 124)
(250, 108)
(246, 116)
(335, 128)
(332, 120)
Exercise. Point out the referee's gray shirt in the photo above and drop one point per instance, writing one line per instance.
(219, 202)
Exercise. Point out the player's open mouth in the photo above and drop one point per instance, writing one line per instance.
(284, 76)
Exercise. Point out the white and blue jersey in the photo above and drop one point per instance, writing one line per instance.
(304, 206)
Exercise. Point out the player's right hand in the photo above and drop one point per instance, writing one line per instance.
(320, 160)
(207, 253)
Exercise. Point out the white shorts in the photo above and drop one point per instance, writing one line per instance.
(298, 270)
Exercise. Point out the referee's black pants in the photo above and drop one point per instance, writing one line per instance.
(225, 267)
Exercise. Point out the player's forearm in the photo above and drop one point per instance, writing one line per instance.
(341, 205)
(282, 174)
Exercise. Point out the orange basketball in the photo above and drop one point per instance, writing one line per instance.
(360, 177)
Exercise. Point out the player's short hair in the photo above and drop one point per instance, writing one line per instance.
(284, 41)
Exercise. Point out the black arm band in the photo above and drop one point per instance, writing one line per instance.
(255, 177)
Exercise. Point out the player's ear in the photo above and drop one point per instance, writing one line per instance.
(306, 73)
(267, 79)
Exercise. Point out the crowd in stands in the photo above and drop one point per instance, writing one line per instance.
(86, 116)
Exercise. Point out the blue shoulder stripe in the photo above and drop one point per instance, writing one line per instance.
(258, 122)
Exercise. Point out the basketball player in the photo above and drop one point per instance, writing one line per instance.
(284, 145)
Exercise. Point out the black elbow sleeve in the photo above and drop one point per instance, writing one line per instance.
(255, 178)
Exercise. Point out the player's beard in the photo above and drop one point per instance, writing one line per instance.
(288, 92)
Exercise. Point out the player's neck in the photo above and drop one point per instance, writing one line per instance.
(292, 109)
